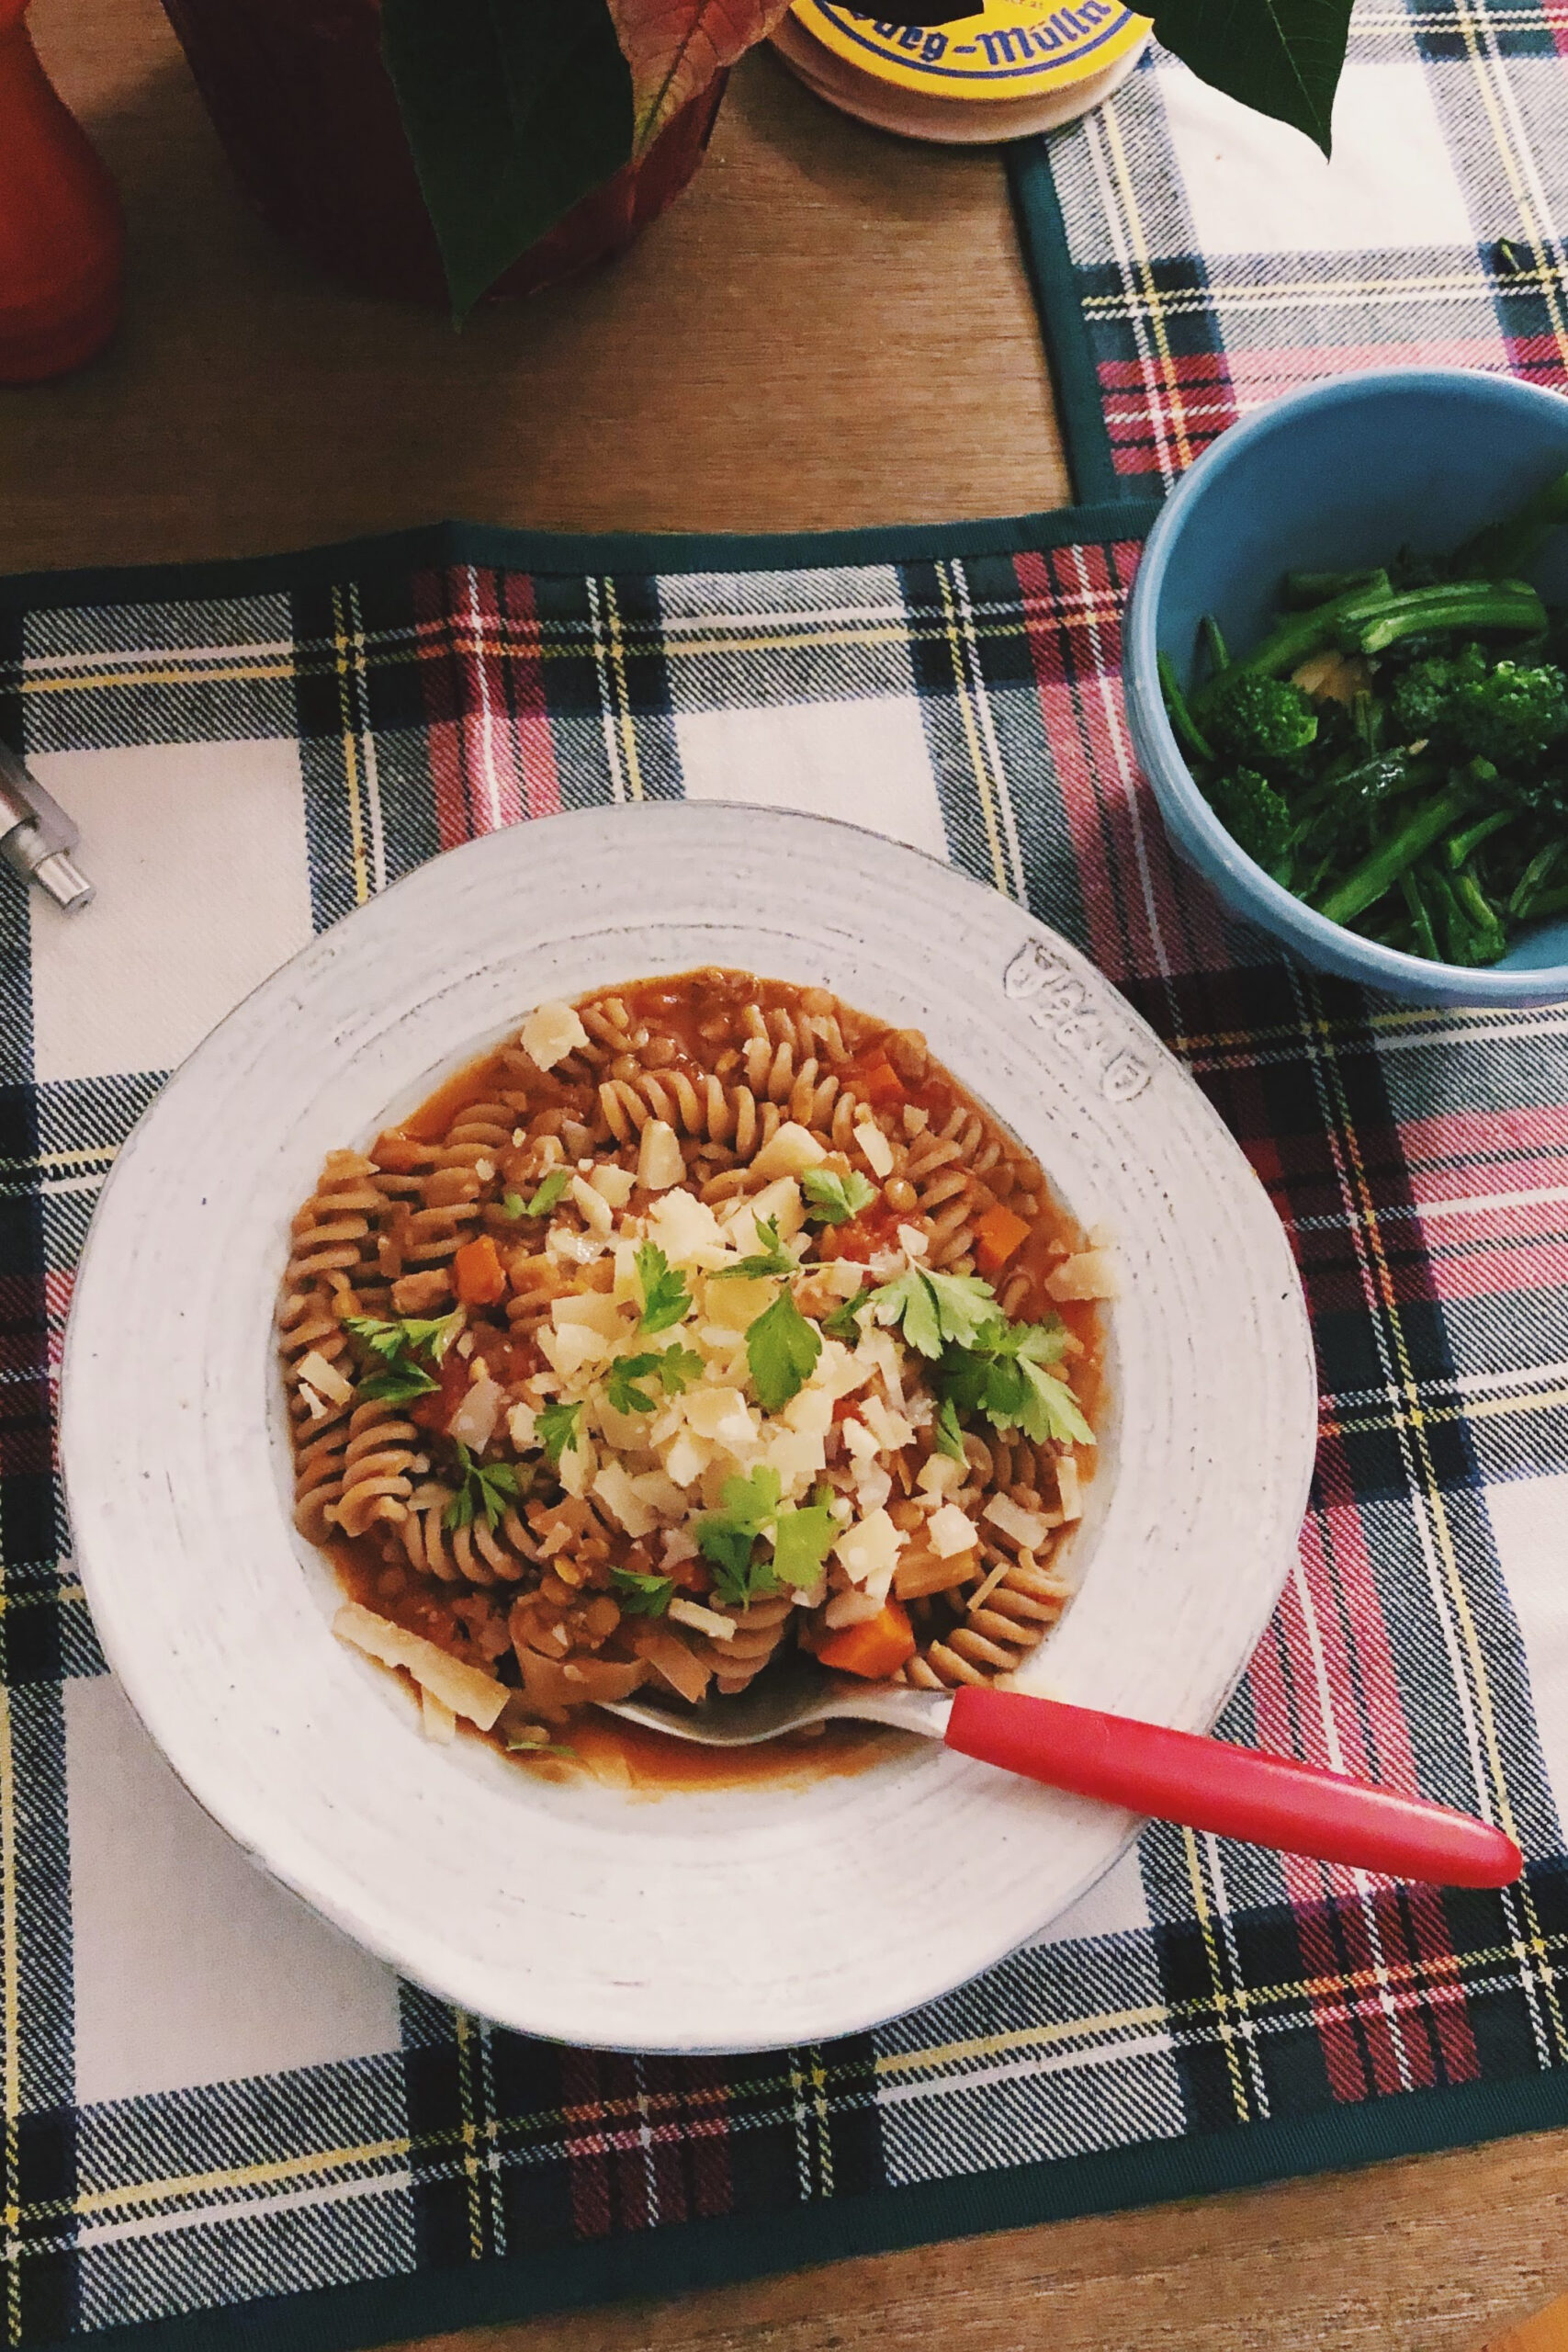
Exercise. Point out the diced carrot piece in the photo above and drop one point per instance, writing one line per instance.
(478, 1273)
(877, 1647)
(881, 1084)
(997, 1234)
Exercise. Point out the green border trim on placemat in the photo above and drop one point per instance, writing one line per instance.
(1080, 411)
(434, 546)
(679, 2256)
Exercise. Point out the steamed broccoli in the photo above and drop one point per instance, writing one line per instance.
(1256, 817)
(1251, 719)
(1512, 718)
(1420, 700)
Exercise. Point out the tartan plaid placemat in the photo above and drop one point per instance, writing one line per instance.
(224, 2124)
(1192, 260)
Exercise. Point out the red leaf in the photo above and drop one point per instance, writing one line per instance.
(675, 47)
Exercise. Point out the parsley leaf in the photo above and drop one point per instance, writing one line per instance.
(487, 1489)
(512, 1206)
(802, 1540)
(726, 1537)
(836, 1199)
(555, 1428)
(399, 1385)
(772, 1258)
(642, 1596)
(620, 1383)
(665, 1299)
(678, 1367)
(400, 1379)
(949, 1436)
(936, 1307)
(434, 1334)
(1001, 1374)
(782, 1349)
(844, 1321)
(548, 1192)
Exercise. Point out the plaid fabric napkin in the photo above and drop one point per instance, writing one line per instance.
(211, 2098)
(1194, 260)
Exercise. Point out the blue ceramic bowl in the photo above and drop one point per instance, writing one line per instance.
(1337, 477)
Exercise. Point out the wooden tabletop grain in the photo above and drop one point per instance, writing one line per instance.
(829, 329)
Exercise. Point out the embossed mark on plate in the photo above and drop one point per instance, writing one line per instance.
(1058, 1005)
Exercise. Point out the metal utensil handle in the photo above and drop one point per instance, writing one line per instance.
(1235, 1791)
(37, 836)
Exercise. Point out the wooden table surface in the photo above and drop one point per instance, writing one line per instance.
(830, 329)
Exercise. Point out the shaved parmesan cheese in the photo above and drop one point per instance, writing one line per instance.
(659, 1161)
(850, 1608)
(796, 1455)
(614, 1487)
(614, 1183)
(325, 1377)
(590, 1310)
(1092, 1274)
(941, 1473)
(860, 1441)
(788, 1153)
(949, 1531)
(577, 1466)
(477, 1697)
(843, 1277)
(912, 1241)
(781, 1202)
(473, 1423)
(878, 1151)
(595, 1208)
(687, 1459)
(890, 1430)
(436, 1718)
(1025, 1527)
(984, 1590)
(811, 1412)
(1068, 1488)
(869, 1549)
(721, 1414)
(702, 1620)
(680, 1545)
(685, 1230)
(872, 1486)
(734, 1307)
(570, 1349)
(522, 1426)
(311, 1402)
(660, 1492)
(551, 1033)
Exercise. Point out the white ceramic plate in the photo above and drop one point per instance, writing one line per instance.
(715, 1921)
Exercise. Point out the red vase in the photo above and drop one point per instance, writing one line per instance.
(62, 234)
(306, 112)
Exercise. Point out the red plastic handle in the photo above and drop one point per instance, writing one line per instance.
(1237, 1792)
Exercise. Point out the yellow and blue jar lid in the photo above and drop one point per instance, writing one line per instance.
(1007, 67)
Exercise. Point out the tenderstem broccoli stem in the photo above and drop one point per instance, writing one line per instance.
(1425, 937)
(1460, 845)
(1467, 604)
(1182, 723)
(1285, 648)
(1381, 867)
(1307, 588)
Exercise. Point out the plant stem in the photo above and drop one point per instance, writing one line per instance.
(1381, 867)
(1304, 589)
(1425, 937)
(1215, 644)
(1183, 725)
(1466, 603)
(1528, 886)
(1458, 847)
(1286, 646)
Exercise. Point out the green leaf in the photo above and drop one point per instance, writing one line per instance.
(934, 1308)
(949, 1436)
(514, 110)
(665, 1299)
(400, 1385)
(433, 1334)
(549, 1192)
(782, 1349)
(678, 1368)
(1281, 57)
(771, 1258)
(1052, 1411)
(802, 1540)
(486, 1491)
(620, 1383)
(642, 1596)
(844, 1321)
(835, 1199)
(555, 1428)
(513, 1205)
